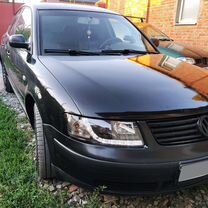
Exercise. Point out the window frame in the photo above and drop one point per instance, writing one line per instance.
(179, 13)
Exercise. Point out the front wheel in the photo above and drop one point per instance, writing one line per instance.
(43, 159)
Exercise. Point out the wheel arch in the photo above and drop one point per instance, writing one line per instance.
(29, 106)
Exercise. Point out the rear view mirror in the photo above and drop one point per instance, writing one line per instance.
(18, 41)
(155, 41)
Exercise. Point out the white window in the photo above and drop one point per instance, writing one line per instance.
(188, 11)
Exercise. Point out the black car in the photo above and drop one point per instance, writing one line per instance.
(102, 119)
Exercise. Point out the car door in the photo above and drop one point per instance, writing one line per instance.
(18, 58)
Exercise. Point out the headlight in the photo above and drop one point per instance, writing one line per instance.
(187, 60)
(105, 132)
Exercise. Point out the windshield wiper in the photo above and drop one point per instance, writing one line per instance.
(126, 52)
(165, 39)
(96, 53)
(71, 52)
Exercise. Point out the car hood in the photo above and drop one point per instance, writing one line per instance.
(102, 86)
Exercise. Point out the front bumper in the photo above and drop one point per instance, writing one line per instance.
(123, 170)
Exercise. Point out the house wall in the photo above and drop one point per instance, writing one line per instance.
(162, 13)
(6, 14)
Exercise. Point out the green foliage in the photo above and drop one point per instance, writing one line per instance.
(26, 32)
(18, 179)
(95, 200)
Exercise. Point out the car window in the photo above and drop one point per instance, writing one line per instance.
(11, 30)
(119, 29)
(90, 31)
(125, 33)
(153, 32)
(23, 24)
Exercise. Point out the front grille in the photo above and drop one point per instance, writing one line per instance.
(177, 131)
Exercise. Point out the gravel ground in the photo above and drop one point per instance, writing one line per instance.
(78, 197)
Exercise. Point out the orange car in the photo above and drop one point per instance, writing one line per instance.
(171, 48)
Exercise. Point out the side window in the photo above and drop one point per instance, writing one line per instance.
(12, 27)
(23, 25)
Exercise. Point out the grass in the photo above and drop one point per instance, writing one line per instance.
(94, 201)
(18, 180)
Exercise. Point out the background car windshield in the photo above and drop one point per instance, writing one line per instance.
(153, 32)
(89, 31)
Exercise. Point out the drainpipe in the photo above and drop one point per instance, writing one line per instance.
(148, 10)
(107, 4)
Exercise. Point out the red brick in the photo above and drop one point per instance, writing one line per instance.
(162, 14)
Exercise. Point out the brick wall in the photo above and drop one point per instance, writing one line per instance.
(162, 13)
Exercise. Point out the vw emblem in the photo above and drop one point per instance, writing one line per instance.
(203, 125)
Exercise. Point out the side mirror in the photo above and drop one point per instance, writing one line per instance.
(155, 41)
(18, 41)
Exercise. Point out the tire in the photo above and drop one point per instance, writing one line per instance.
(43, 160)
(7, 84)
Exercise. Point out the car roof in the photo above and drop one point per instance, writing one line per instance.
(68, 6)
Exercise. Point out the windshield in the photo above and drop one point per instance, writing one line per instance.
(62, 30)
(153, 32)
